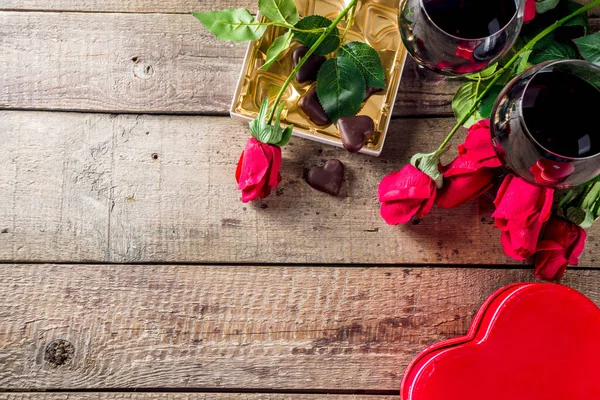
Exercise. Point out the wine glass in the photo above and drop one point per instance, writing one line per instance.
(458, 37)
(544, 124)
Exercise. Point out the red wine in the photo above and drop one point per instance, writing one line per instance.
(560, 111)
(470, 19)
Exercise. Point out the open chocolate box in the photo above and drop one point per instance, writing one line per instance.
(376, 23)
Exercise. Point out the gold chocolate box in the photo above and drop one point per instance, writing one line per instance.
(375, 23)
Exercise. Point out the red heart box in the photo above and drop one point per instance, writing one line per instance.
(528, 341)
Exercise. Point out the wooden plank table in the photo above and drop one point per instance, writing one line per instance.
(124, 244)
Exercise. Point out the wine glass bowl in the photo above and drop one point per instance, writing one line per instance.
(544, 125)
(458, 37)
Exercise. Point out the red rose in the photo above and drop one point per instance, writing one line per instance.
(469, 175)
(561, 245)
(405, 194)
(529, 10)
(478, 146)
(521, 210)
(546, 172)
(258, 170)
(463, 181)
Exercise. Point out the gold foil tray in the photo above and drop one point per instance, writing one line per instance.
(376, 23)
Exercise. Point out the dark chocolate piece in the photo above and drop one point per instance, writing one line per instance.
(327, 179)
(310, 69)
(309, 103)
(371, 91)
(355, 131)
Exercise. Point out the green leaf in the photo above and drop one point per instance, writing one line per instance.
(257, 125)
(368, 60)
(270, 134)
(235, 24)
(283, 11)
(542, 6)
(487, 103)
(277, 48)
(589, 47)
(287, 135)
(464, 99)
(341, 87)
(548, 49)
(331, 42)
(429, 164)
(485, 74)
(576, 215)
(523, 63)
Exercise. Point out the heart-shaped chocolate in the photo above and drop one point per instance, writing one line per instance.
(308, 72)
(355, 131)
(327, 178)
(528, 341)
(309, 103)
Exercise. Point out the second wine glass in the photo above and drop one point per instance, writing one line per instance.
(458, 37)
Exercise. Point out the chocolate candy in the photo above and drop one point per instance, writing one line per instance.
(371, 91)
(327, 179)
(313, 109)
(310, 69)
(355, 131)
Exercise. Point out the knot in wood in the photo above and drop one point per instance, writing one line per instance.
(59, 352)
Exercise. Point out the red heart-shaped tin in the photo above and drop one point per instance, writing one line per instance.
(528, 341)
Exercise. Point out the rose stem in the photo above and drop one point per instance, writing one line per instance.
(308, 54)
(499, 73)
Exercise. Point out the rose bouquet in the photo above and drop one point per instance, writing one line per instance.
(533, 220)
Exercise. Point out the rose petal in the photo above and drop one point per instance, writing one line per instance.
(274, 177)
(427, 206)
(460, 189)
(529, 10)
(478, 146)
(550, 266)
(409, 182)
(238, 170)
(520, 242)
(255, 164)
(400, 212)
(521, 200)
(253, 192)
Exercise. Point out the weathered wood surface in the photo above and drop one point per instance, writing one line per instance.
(184, 396)
(142, 6)
(145, 63)
(93, 187)
(136, 63)
(129, 6)
(287, 328)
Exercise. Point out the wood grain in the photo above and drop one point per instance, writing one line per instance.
(129, 6)
(185, 396)
(142, 6)
(286, 328)
(146, 63)
(87, 187)
(143, 64)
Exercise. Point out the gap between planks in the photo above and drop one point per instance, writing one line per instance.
(523, 267)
